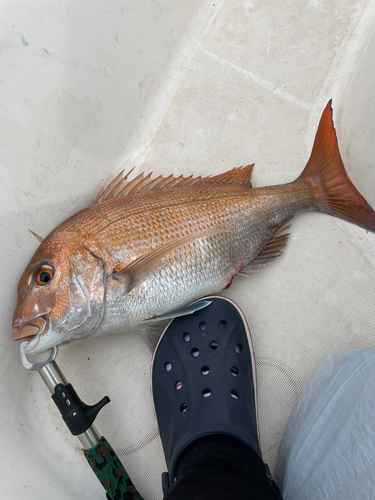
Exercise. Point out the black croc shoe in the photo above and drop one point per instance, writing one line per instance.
(204, 381)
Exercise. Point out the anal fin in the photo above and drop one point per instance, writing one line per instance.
(273, 249)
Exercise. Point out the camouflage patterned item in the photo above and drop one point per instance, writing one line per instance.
(110, 472)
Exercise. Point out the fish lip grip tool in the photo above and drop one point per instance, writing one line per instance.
(79, 418)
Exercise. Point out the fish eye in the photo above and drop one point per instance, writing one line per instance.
(44, 275)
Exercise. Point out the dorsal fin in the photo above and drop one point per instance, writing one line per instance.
(39, 238)
(120, 186)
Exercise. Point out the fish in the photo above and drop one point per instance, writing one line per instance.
(147, 248)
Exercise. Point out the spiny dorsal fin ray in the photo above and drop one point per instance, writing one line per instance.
(271, 251)
(39, 238)
(120, 186)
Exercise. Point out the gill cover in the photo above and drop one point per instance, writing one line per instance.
(87, 279)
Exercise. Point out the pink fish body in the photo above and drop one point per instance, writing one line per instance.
(148, 247)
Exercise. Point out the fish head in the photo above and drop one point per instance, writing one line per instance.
(60, 296)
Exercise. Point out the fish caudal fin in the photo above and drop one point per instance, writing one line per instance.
(332, 189)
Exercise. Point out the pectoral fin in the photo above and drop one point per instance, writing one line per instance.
(130, 275)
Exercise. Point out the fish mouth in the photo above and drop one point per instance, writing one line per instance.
(30, 329)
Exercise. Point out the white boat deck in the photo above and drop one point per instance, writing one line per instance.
(87, 89)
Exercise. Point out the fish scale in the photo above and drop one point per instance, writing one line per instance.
(146, 248)
(150, 222)
(208, 264)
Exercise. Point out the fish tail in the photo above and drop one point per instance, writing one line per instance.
(332, 189)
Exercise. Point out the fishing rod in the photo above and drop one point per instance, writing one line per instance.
(79, 419)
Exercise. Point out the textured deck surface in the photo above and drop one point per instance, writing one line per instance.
(254, 84)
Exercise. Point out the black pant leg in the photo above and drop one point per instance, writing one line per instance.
(218, 467)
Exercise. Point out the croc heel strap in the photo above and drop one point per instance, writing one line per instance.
(204, 382)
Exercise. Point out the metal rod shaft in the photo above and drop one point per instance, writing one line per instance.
(52, 375)
(89, 438)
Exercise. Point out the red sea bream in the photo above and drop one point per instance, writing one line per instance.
(148, 247)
